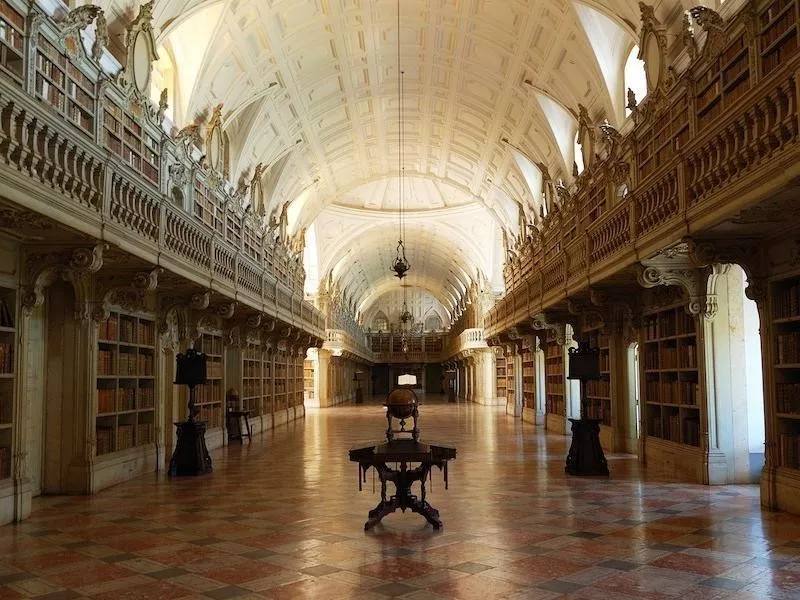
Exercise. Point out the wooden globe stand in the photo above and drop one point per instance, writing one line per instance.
(402, 404)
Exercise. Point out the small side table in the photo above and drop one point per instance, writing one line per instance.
(234, 425)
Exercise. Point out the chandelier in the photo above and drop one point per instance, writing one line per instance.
(400, 264)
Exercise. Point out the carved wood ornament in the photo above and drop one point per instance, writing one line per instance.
(141, 53)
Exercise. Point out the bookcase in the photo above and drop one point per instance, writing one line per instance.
(209, 397)
(308, 380)
(252, 380)
(724, 81)
(280, 382)
(298, 385)
(667, 135)
(126, 138)
(8, 319)
(64, 87)
(785, 331)
(511, 385)
(126, 391)
(555, 385)
(500, 371)
(529, 372)
(206, 208)
(597, 393)
(671, 382)
(778, 34)
(12, 36)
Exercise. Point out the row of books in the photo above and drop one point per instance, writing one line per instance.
(672, 392)
(212, 415)
(111, 400)
(672, 429)
(787, 397)
(128, 363)
(210, 345)
(6, 316)
(600, 387)
(681, 357)
(778, 28)
(786, 302)
(789, 450)
(127, 435)
(554, 406)
(555, 388)
(208, 392)
(128, 329)
(599, 409)
(668, 324)
(214, 369)
(6, 406)
(788, 348)
(5, 462)
(6, 357)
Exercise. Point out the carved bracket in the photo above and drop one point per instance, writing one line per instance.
(42, 269)
(127, 292)
(677, 266)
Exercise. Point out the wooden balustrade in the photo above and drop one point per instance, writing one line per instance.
(112, 180)
(681, 165)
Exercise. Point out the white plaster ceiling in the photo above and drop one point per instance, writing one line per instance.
(313, 85)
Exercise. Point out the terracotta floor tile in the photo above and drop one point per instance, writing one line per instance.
(273, 511)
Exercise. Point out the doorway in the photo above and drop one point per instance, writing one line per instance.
(60, 403)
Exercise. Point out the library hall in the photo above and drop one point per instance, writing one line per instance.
(544, 254)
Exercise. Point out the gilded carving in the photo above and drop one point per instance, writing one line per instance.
(653, 49)
(141, 53)
(76, 21)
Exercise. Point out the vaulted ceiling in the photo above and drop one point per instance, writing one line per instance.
(312, 86)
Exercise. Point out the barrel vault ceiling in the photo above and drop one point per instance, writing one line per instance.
(311, 87)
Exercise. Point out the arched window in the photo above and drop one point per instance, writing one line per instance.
(380, 323)
(578, 155)
(164, 78)
(433, 323)
(635, 78)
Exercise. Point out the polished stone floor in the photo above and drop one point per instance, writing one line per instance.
(282, 518)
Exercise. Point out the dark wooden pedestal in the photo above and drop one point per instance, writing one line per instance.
(585, 454)
(191, 455)
(359, 396)
(233, 422)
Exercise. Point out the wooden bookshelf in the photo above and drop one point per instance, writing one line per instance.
(126, 391)
(210, 396)
(671, 382)
(778, 34)
(667, 135)
(206, 208)
(511, 385)
(500, 375)
(597, 394)
(529, 372)
(126, 138)
(595, 203)
(308, 380)
(252, 380)
(280, 382)
(555, 385)
(12, 42)
(723, 82)
(63, 86)
(298, 385)
(785, 317)
(8, 321)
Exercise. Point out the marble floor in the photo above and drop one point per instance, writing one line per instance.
(282, 518)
